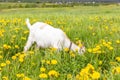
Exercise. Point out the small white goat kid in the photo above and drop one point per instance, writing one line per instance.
(47, 36)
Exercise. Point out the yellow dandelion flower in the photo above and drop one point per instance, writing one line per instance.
(53, 61)
(95, 75)
(3, 64)
(26, 32)
(105, 44)
(42, 69)
(118, 41)
(90, 67)
(116, 70)
(89, 50)
(118, 59)
(66, 49)
(43, 75)
(26, 78)
(80, 45)
(23, 38)
(22, 75)
(1, 57)
(106, 28)
(7, 62)
(53, 49)
(77, 77)
(53, 73)
(98, 47)
(84, 71)
(47, 62)
(13, 57)
(21, 55)
(5, 46)
(100, 62)
(17, 54)
(1, 32)
(69, 76)
(111, 48)
(4, 78)
(16, 46)
(18, 75)
(21, 59)
(43, 61)
(72, 54)
(109, 43)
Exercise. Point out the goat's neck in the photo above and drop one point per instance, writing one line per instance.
(73, 45)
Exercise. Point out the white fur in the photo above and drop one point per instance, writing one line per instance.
(47, 36)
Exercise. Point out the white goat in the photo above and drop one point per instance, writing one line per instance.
(47, 36)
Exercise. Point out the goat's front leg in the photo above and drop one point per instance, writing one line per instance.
(28, 44)
(57, 46)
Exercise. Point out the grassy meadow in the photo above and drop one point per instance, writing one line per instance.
(97, 27)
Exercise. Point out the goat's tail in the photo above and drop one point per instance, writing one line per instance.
(28, 23)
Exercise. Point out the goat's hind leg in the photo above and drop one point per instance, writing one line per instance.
(28, 44)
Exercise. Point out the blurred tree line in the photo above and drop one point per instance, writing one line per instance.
(5, 4)
(62, 1)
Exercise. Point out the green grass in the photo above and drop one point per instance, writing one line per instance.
(94, 26)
